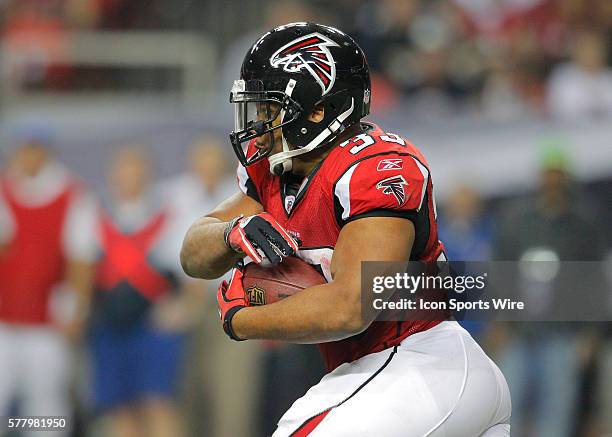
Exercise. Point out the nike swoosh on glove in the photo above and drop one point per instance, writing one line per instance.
(260, 236)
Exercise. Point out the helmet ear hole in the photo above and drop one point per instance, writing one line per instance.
(316, 116)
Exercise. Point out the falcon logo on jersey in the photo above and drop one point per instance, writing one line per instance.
(394, 185)
(390, 164)
(310, 53)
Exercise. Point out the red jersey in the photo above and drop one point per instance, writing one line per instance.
(34, 261)
(372, 174)
(127, 280)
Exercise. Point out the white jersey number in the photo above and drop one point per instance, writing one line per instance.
(362, 141)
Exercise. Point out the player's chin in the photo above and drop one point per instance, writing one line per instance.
(262, 145)
(267, 146)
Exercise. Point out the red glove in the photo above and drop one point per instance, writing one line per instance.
(231, 298)
(260, 236)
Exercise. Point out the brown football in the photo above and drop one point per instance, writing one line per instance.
(264, 285)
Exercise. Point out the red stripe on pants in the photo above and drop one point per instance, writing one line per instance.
(310, 425)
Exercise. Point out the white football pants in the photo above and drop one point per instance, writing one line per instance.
(35, 370)
(437, 383)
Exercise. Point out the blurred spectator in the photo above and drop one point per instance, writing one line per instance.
(222, 366)
(46, 219)
(499, 20)
(582, 88)
(34, 39)
(542, 361)
(464, 228)
(502, 96)
(136, 351)
(578, 14)
(204, 184)
(515, 84)
(422, 50)
(559, 206)
(383, 28)
(467, 235)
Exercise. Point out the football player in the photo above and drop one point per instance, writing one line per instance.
(317, 182)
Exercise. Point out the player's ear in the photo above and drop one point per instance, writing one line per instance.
(317, 114)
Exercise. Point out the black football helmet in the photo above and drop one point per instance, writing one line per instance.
(288, 72)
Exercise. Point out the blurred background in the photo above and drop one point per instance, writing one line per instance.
(114, 117)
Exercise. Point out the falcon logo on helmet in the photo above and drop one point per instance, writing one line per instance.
(394, 185)
(311, 53)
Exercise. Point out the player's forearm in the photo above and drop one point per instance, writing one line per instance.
(204, 253)
(318, 314)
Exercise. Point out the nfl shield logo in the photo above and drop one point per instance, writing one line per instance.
(256, 295)
(289, 201)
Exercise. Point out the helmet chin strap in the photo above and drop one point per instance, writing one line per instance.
(281, 162)
(284, 166)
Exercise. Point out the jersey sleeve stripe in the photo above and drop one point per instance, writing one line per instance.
(425, 174)
(342, 191)
(246, 183)
(243, 177)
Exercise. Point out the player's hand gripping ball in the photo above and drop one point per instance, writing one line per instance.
(231, 299)
(266, 285)
(257, 285)
(260, 236)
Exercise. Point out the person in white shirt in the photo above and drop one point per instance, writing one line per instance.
(582, 88)
(204, 184)
(46, 253)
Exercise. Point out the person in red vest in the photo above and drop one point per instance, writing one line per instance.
(46, 219)
(136, 358)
